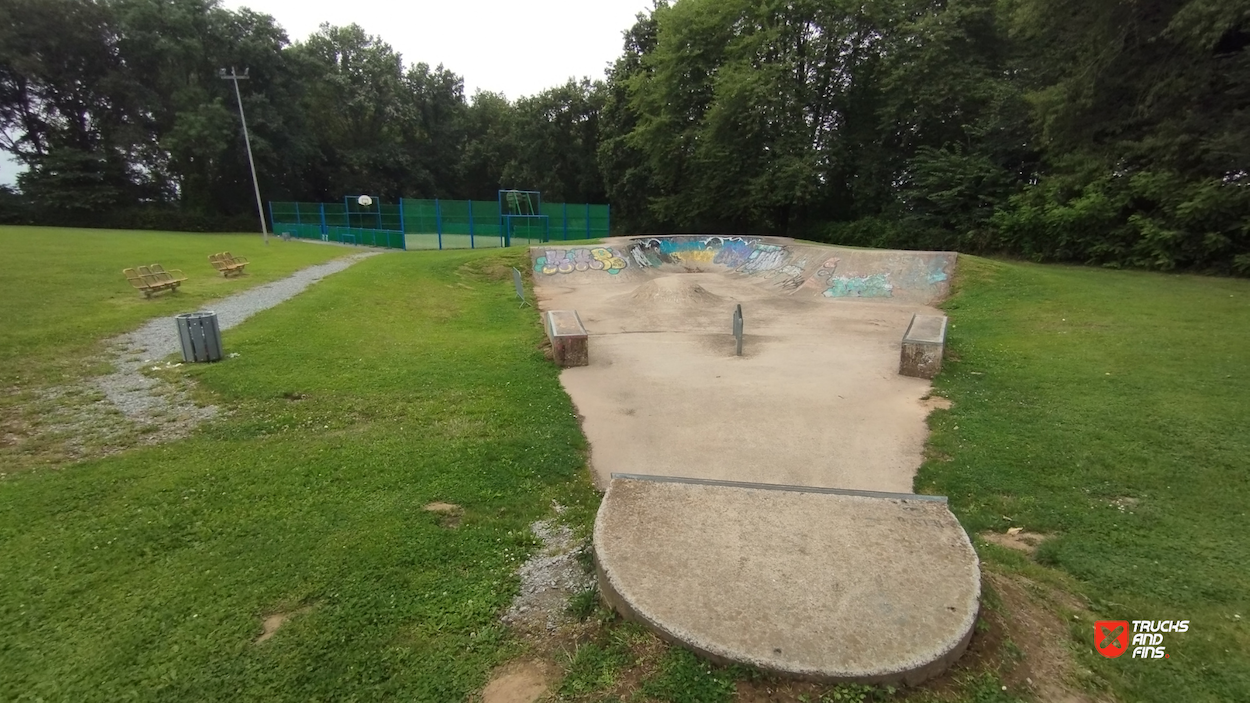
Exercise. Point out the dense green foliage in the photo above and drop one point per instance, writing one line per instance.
(116, 109)
(1100, 132)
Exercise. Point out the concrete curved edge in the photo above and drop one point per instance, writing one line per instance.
(638, 601)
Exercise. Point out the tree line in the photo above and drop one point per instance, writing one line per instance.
(1093, 131)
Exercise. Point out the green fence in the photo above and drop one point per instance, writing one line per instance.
(437, 224)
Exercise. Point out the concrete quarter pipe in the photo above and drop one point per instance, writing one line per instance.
(758, 508)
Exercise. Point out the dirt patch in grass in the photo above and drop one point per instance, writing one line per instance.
(1034, 616)
(519, 681)
(274, 621)
(492, 269)
(449, 513)
(1016, 538)
(777, 692)
(936, 402)
(1125, 504)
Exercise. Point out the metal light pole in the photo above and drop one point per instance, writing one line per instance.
(260, 209)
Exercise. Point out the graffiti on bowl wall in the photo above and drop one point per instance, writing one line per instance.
(875, 286)
(742, 254)
(555, 261)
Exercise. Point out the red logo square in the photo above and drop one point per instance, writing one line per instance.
(1111, 637)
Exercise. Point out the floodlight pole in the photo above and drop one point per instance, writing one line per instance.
(260, 209)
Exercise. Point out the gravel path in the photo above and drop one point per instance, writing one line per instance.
(146, 400)
(549, 579)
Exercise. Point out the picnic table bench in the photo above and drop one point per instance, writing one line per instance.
(153, 279)
(227, 264)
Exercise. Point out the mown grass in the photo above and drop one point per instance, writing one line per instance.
(1105, 409)
(64, 290)
(408, 378)
(64, 294)
(1109, 410)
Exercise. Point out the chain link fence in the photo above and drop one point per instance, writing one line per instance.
(436, 223)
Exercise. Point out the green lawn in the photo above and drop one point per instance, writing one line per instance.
(63, 289)
(1107, 409)
(1111, 410)
(408, 378)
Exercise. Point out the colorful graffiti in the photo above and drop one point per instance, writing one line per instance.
(790, 276)
(875, 286)
(741, 254)
(851, 274)
(567, 261)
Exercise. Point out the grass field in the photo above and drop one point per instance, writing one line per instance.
(406, 379)
(1105, 410)
(64, 289)
(1111, 411)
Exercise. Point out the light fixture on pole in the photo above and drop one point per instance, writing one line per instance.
(247, 141)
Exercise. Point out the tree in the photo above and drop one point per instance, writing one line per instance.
(555, 139)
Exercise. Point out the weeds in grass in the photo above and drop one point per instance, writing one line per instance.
(584, 604)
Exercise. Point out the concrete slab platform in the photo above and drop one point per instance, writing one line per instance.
(819, 584)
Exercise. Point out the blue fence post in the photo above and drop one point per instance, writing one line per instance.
(470, 220)
(438, 224)
(324, 229)
(271, 220)
(403, 238)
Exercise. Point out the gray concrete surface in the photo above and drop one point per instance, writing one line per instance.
(815, 401)
(568, 337)
(816, 585)
(924, 344)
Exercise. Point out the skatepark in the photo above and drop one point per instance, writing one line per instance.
(758, 507)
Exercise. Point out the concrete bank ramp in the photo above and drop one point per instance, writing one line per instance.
(838, 575)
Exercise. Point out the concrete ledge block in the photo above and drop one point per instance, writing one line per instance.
(569, 345)
(923, 345)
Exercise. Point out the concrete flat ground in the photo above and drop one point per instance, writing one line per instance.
(815, 400)
(807, 580)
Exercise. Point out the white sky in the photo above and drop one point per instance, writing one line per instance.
(8, 170)
(515, 48)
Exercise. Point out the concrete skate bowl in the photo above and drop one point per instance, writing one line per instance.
(758, 508)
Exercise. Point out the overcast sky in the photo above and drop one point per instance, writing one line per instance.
(514, 48)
